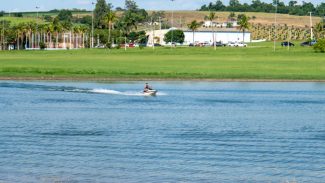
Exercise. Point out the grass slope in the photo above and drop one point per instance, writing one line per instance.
(18, 20)
(256, 62)
(263, 18)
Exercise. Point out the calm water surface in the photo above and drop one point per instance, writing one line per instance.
(191, 132)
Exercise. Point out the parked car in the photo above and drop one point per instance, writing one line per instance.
(286, 43)
(233, 44)
(137, 45)
(114, 45)
(100, 46)
(202, 44)
(240, 45)
(131, 45)
(308, 43)
(219, 44)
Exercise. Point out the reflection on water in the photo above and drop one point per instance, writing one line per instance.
(191, 132)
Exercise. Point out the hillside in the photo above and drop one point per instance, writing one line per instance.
(17, 20)
(184, 17)
(263, 18)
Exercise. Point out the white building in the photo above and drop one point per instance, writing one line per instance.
(209, 24)
(220, 36)
(201, 36)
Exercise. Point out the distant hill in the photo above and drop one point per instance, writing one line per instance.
(263, 18)
(182, 18)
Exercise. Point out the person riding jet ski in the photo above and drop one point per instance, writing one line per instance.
(148, 90)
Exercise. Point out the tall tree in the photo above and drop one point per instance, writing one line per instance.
(101, 10)
(234, 5)
(243, 24)
(193, 26)
(131, 5)
(65, 15)
(110, 18)
(132, 17)
(212, 16)
(48, 30)
(83, 29)
(57, 28)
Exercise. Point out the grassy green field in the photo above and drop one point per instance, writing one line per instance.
(257, 62)
(18, 20)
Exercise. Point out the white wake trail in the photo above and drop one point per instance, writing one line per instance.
(114, 92)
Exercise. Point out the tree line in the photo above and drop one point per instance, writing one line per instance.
(104, 27)
(292, 8)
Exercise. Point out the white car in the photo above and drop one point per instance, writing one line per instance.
(233, 44)
(240, 45)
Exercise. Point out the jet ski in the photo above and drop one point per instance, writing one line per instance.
(150, 92)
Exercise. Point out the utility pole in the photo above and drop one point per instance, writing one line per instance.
(160, 23)
(289, 37)
(171, 45)
(92, 26)
(311, 27)
(3, 33)
(153, 34)
(37, 33)
(275, 27)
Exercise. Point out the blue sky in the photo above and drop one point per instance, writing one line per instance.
(29, 5)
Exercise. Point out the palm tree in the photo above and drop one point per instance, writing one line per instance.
(30, 26)
(23, 28)
(66, 27)
(20, 28)
(83, 30)
(319, 28)
(110, 18)
(57, 28)
(193, 26)
(211, 17)
(76, 32)
(243, 24)
(48, 28)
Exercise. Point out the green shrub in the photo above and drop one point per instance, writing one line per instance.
(175, 36)
(320, 46)
(109, 45)
(42, 45)
(141, 46)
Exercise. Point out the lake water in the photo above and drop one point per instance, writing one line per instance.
(191, 132)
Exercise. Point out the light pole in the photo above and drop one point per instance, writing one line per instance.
(159, 23)
(171, 45)
(311, 27)
(3, 33)
(37, 33)
(153, 33)
(275, 19)
(92, 27)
